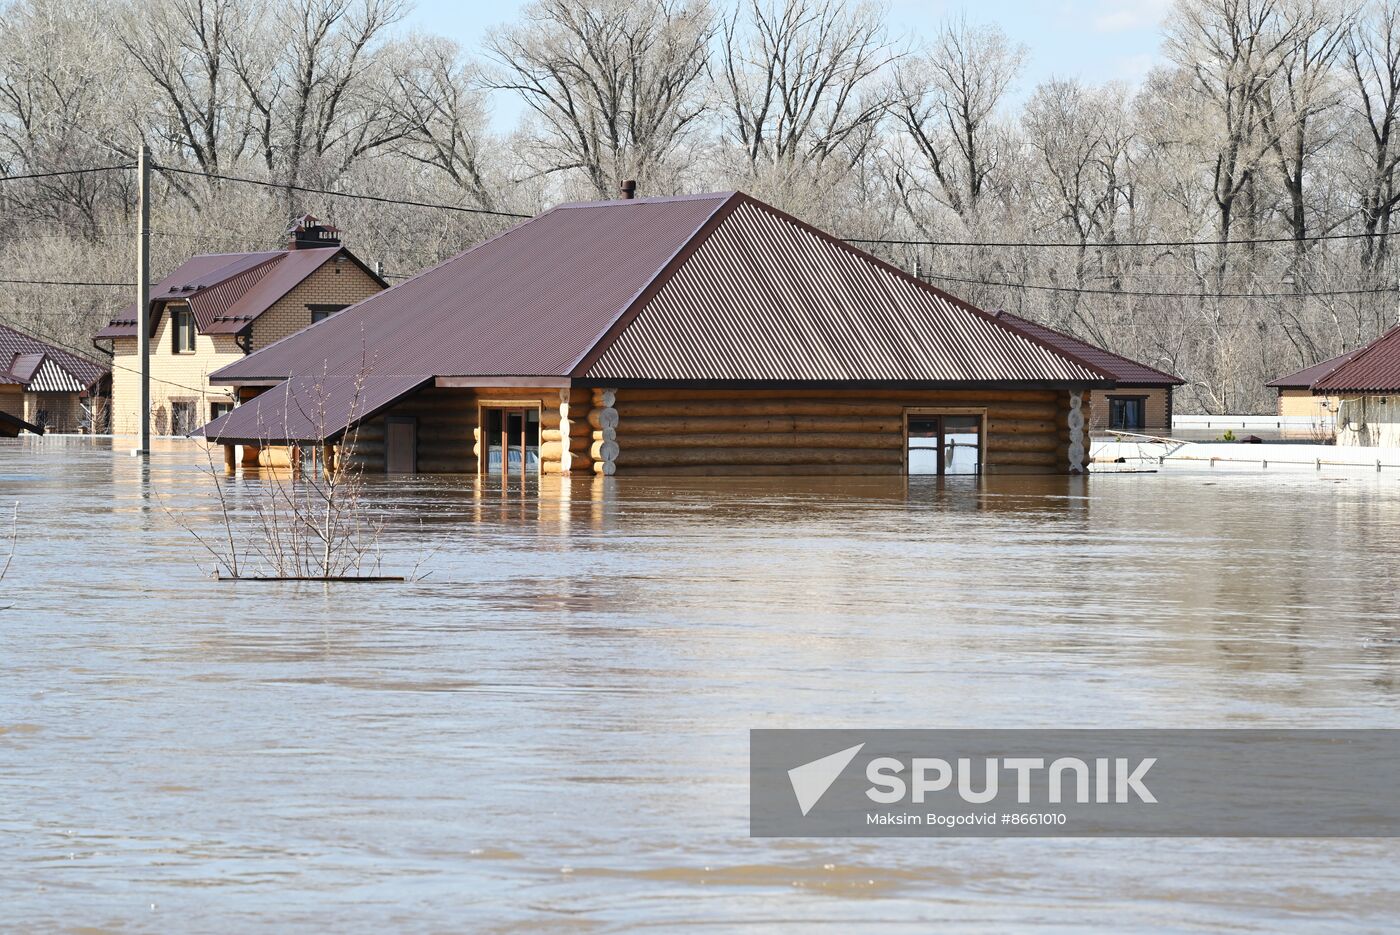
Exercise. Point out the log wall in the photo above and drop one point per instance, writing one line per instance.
(654, 431)
(449, 437)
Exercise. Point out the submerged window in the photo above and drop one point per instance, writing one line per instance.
(1127, 413)
(944, 443)
(183, 319)
(182, 419)
(515, 431)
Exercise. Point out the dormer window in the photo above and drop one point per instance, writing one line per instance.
(183, 320)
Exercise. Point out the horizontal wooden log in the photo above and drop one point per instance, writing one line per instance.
(1021, 426)
(778, 407)
(764, 470)
(1043, 441)
(668, 456)
(601, 418)
(832, 440)
(551, 451)
(704, 425)
(603, 451)
(629, 395)
(1023, 457)
(551, 435)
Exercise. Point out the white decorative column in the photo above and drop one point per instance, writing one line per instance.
(1077, 441)
(566, 458)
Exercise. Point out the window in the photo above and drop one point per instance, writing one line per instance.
(322, 312)
(944, 443)
(1127, 413)
(182, 418)
(183, 320)
(219, 409)
(514, 430)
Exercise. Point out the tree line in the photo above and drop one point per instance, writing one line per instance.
(1228, 219)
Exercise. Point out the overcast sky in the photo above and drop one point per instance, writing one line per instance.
(1094, 40)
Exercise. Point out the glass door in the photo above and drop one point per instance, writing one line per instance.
(512, 438)
(942, 444)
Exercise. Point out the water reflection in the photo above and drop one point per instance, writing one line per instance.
(549, 732)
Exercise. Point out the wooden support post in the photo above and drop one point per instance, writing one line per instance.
(250, 455)
(328, 464)
(230, 461)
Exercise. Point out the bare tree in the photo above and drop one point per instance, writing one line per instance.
(945, 103)
(615, 85)
(799, 80)
(1372, 61)
(443, 113)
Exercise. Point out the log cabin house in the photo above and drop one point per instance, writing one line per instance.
(44, 388)
(216, 308)
(705, 334)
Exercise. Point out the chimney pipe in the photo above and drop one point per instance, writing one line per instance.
(628, 189)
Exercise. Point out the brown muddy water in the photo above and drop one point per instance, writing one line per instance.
(549, 733)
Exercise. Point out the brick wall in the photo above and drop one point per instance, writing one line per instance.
(184, 377)
(1156, 411)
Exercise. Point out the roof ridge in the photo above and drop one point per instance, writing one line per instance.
(1361, 354)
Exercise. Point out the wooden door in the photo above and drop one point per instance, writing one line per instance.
(400, 445)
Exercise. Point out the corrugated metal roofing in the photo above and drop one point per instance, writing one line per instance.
(309, 409)
(226, 291)
(24, 357)
(1303, 379)
(529, 302)
(12, 425)
(767, 298)
(1124, 370)
(627, 290)
(1375, 368)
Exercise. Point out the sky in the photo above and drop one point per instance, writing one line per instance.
(1093, 40)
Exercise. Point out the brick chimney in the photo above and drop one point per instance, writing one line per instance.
(628, 189)
(307, 233)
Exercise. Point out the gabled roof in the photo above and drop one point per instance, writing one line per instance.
(1304, 379)
(1125, 371)
(1374, 368)
(228, 291)
(704, 288)
(41, 367)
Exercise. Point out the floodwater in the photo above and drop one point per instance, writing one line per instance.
(549, 733)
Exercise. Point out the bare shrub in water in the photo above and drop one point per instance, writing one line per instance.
(307, 519)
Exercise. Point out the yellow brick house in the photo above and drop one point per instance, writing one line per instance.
(216, 308)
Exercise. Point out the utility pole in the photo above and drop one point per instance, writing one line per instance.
(143, 295)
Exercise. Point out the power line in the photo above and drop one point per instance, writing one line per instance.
(112, 363)
(340, 194)
(1026, 244)
(57, 282)
(935, 278)
(50, 175)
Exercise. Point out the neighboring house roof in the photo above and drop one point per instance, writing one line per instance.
(228, 291)
(706, 288)
(1374, 368)
(41, 367)
(1125, 370)
(1304, 379)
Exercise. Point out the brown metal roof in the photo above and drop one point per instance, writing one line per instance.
(44, 368)
(766, 298)
(1124, 370)
(227, 291)
(529, 302)
(701, 287)
(1374, 368)
(1304, 379)
(308, 409)
(11, 426)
